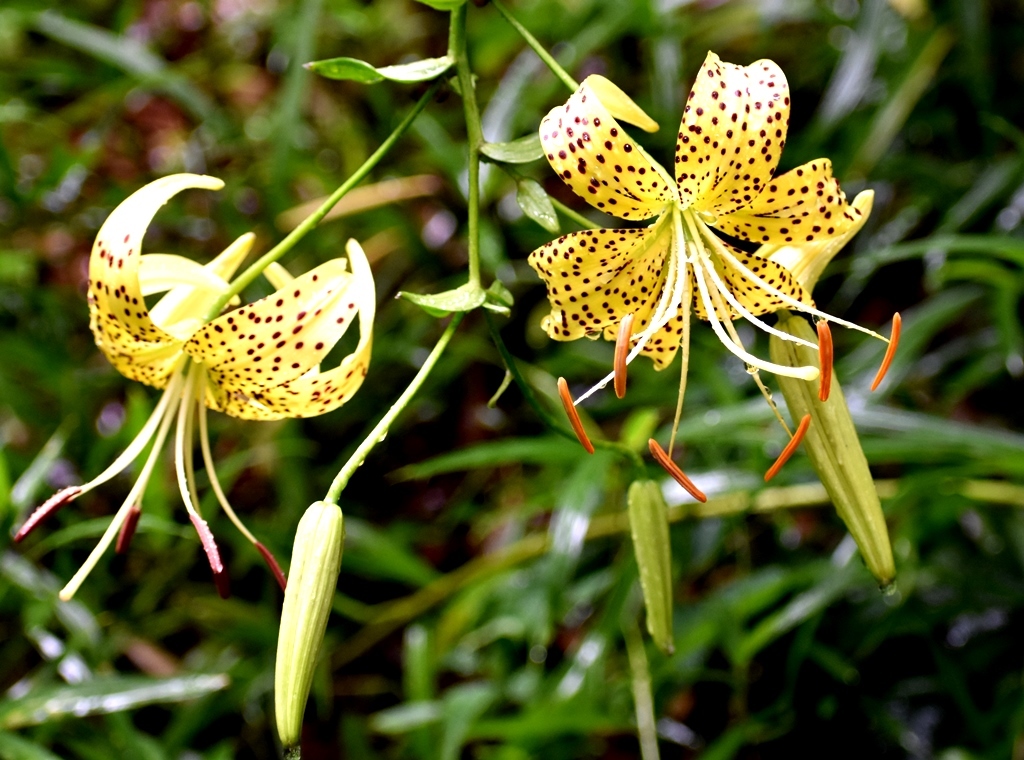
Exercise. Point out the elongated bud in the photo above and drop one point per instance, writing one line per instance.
(648, 524)
(834, 449)
(316, 561)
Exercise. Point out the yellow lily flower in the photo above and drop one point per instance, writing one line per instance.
(258, 362)
(652, 278)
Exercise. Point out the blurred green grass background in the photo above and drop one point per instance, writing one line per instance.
(784, 647)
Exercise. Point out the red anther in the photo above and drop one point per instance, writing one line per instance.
(47, 508)
(621, 352)
(790, 448)
(220, 575)
(662, 458)
(574, 417)
(124, 537)
(894, 340)
(275, 568)
(824, 359)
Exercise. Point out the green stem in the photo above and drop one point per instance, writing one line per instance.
(388, 617)
(377, 434)
(546, 417)
(544, 55)
(575, 216)
(474, 134)
(254, 271)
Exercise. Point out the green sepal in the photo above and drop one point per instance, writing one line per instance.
(521, 151)
(648, 524)
(463, 298)
(354, 70)
(536, 204)
(312, 581)
(834, 449)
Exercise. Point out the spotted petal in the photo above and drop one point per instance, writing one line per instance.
(597, 277)
(804, 205)
(596, 158)
(732, 134)
(808, 260)
(119, 319)
(263, 359)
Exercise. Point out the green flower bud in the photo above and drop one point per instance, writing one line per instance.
(648, 524)
(316, 561)
(832, 444)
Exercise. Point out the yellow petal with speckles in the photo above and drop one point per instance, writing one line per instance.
(749, 289)
(263, 359)
(596, 158)
(731, 135)
(802, 206)
(119, 319)
(808, 260)
(596, 277)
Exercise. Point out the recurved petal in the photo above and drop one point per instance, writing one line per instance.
(808, 260)
(804, 205)
(268, 368)
(596, 158)
(732, 134)
(596, 277)
(121, 324)
(183, 308)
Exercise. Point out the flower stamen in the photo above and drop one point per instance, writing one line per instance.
(674, 470)
(890, 352)
(684, 340)
(621, 349)
(204, 445)
(824, 359)
(573, 415)
(790, 448)
(127, 532)
(220, 576)
(47, 508)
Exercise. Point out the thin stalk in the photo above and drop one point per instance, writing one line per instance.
(388, 617)
(547, 417)
(575, 216)
(377, 434)
(543, 54)
(279, 250)
(474, 134)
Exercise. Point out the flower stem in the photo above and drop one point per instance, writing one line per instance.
(546, 417)
(544, 55)
(377, 434)
(572, 214)
(311, 221)
(474, 134)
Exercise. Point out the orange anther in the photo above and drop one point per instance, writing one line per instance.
(573, 415)
(621, 352)
(673, 469)
(124, 536)
(790, 448)
(894, 340)
(824, 359)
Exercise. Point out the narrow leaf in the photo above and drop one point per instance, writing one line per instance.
(353, 69)
(521, 151)
(536, 204)
(464, 298)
